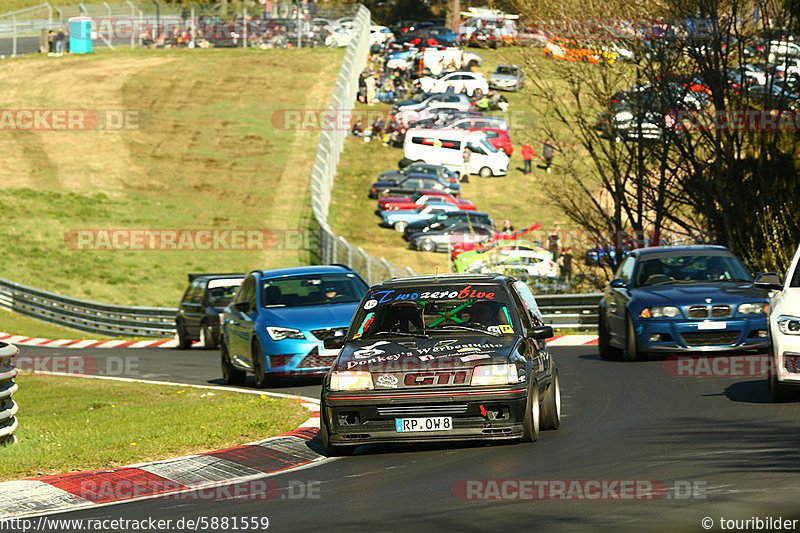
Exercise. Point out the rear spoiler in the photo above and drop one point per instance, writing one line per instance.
(192, 277)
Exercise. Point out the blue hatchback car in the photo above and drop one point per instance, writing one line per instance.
(679, 299)
(277, 322)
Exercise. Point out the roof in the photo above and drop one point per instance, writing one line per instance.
(443, 278)
(681, 249)
(226, 275)
(313, 269)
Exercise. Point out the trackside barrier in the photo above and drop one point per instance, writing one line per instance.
(83, 315)
(335, 249)
(8, 407)
(573, 311)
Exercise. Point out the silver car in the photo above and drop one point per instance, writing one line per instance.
(507, 78)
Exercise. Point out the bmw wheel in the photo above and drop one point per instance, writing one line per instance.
(632, 352)
(551, 408)
(530, 424)
(230, 374)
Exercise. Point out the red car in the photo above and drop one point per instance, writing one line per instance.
(425, 197)
(498, 138)
(499, 236)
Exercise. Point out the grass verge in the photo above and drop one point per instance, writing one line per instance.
(150, 422)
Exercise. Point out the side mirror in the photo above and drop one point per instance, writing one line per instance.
(542, 332)
(333, 343)
(768, 280)
(618, 283)
(242, 307)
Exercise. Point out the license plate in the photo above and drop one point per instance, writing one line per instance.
(712, 325)
(434, 423)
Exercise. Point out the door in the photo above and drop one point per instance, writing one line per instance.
(240, 323)
(617, 302)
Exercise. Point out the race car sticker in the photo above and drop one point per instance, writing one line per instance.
(493, 329)
(426, 358)
(387, 380)
(474, 357)
(390, 295)
(469, 349)
(364, 325)
(370, 304)
(369, 351)
(505, 328)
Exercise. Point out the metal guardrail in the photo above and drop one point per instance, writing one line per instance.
(83, 315)
(570, 311)
(8, 407)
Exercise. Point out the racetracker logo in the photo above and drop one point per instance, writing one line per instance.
(345, 119)
(719, 366)
(577, 489)
(112, 365)
(190, 239)
(73, 119)
(734, 120)
(257, 489)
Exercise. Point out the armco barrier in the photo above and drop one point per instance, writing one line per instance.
(8, 408)
(106, 319)
(573, 311)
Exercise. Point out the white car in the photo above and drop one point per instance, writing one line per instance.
(781, 49)
(784, 332)
(535, 263)
(380, 34)
(459, 80)
(339, 37)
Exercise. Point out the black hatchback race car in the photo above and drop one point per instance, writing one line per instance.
(433, 358)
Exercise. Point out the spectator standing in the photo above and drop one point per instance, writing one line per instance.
(547, 153)
(554, 242)
(370, 81)
(527, 157)
(565, 262)
(268, 9)
(59, 40)
(466, 156)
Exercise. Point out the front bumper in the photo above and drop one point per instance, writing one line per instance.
(786, 357)
(739, 334)
(484, 413)
(297, 358)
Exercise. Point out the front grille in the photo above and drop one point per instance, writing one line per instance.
(315, 360)
(720, 311)
(423, 410)
(791, 362)
(324, 333)
(698, 311)
(709, 338)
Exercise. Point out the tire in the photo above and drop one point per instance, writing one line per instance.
(230, 374)
(184, 343)
(485, 172)
(210, 341)
(530, 424)
(330, 449)
(551, 407)
(400, 226)
(263, 379)
(631, 352)
(403, 163)
(603, 341)
(427, 245)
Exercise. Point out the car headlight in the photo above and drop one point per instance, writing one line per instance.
(351, 380)
(278, 334)
(789, 325)
(667, 311)
(755, 308)
(495, 375)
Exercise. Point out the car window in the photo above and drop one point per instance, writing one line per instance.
(197, 292)
(220, 292)
(246, 292)
(436, 309)
(187, 296)
(662, 268)
(312, 289)
(625, 270)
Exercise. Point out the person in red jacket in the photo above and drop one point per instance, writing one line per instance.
(527, 157)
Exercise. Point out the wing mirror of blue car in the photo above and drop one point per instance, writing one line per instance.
(542, 332)
(334, 343)
(618, 283)
(768, 280)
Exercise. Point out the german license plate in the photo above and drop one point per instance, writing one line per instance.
(434, 423)
(712, 325)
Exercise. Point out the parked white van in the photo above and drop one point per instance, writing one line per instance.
(446, 146)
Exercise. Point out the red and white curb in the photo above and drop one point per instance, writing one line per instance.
(202, 476)
(21, 340)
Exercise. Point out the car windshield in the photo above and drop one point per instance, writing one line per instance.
(312, 289)
(427, 309)
(690, 268)
(221, 291)
(506, 71)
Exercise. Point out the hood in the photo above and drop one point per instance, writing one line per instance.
(395, 200)
(720, 292)
(309, 317)
(503, 77)
(441, 352)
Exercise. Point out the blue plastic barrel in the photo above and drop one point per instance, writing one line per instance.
(80, 35)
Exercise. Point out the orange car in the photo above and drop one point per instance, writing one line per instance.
(570, 50)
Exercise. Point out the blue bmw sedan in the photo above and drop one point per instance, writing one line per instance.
(277, 322)
(679, 299)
